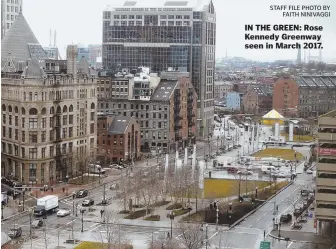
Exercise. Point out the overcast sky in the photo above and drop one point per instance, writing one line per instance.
(80, 21)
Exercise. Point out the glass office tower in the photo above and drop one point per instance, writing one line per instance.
(161, 34)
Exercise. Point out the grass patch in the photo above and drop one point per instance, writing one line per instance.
(299, 138)
(160, 203)
(174, 206)
(220, 188)
(153, 218)
(286, 154)
(137, 214)
(138, 206)
(99, 245)
(179, 212)
(124, 212)
(83, 180)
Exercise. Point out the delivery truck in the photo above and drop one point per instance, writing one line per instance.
(45, 205)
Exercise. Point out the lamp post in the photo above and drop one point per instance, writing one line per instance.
(99, 169)
(73, 203)
(82, 212)
(217, 214)
(256, 192)
(171, 217)
(206, 236)
(104, 195)
(2, 209)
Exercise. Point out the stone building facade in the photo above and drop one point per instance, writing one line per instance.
(48, 116)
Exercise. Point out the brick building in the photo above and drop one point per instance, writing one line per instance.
(151, 100)
(305, 96)
(258, 100)
(118, 139)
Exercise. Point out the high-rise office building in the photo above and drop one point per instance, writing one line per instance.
(10, 9)
(161, 34)
(325, 195)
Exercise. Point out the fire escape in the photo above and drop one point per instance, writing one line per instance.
(191, 115)
(177, 118)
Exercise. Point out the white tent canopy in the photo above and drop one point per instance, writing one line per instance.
(273, 115)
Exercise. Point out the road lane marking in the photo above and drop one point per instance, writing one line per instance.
(70, 222)
(95, 226)
(290, 244)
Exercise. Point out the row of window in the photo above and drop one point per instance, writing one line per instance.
(33, 122)
(34, 111)
(12, 9)
(161, 17)
(33, 152)
(158, 135)
(162, 23)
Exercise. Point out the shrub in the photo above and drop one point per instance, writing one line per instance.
(137, 214)
(160, 203)
(153, 218)
(174, 206)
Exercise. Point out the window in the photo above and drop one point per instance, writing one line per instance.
(43, 123)
(16, 150)
(10, 119)
(154, 125)
(16, 121)
(32, 123)
(64, 132)
(43, 151)
(92, 128)
(51, 151)
(70, 132)
(70, 119)
(23, 136)
(10, 133)
(23, 152)
(4, 118)
(42, 172)
(3, 131)
(32, 172)
(32, 153)
(23, 120)
(16, 134)
(92, 116)
(65, 119)
(171, 17)
(131, 17)
(33, 137)
(138, 17)
(43, 136)
(51, 135)
(51, 122)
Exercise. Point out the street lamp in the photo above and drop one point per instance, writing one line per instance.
(217, 214)
(206, 236)
(82, 212)
(99, 169)
(171, 217)
(2, 209)
(256, 192)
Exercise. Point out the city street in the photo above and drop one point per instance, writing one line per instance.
(247, 234)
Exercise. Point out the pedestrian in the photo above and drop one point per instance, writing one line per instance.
(101, 213)
(168, 235)
(52, 189)
(63, 189)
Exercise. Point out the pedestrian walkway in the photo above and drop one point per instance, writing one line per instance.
(301, 236)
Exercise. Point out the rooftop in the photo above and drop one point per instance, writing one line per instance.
(325, 81)
(119, 124)
(20, 45)
(263, 90)
(194, 4)
(164, 90)
(331, 114)
(223, 83)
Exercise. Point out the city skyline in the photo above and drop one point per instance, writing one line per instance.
(83, 28)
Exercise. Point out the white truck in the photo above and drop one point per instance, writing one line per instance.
(46, 204)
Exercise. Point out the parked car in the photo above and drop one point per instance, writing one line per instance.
(82, 193)
(37, 223)
(244, 172)
(286, 218)
(15, 232)
(88, 202)
(63, 212)
(309, 172)
(115, 166)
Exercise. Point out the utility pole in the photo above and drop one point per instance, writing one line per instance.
(45, 234)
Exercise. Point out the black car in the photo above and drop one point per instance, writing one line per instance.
(37, 223)
(88, 202)
(15, 232)
(82, 193)
(285, 218)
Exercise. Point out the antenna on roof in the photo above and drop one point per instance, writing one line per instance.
(54, 38)
(49, 37)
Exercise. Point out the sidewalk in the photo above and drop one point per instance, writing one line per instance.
(300, 236)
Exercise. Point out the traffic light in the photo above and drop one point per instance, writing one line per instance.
(246, 128)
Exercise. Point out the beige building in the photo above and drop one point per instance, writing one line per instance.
(48, 110)
(325, 212)
(221, 88)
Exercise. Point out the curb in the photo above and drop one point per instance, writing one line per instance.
(260, 206)
(298, 241)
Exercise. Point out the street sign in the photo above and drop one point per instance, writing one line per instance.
(265, 245)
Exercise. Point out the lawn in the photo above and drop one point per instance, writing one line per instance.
(286, 154)
(137, 214)
(220, 188)
(99, 245)
(153, 218)
(179, 212)
(299, 138)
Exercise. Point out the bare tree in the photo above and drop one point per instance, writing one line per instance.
(112, 234)
(191, 235)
